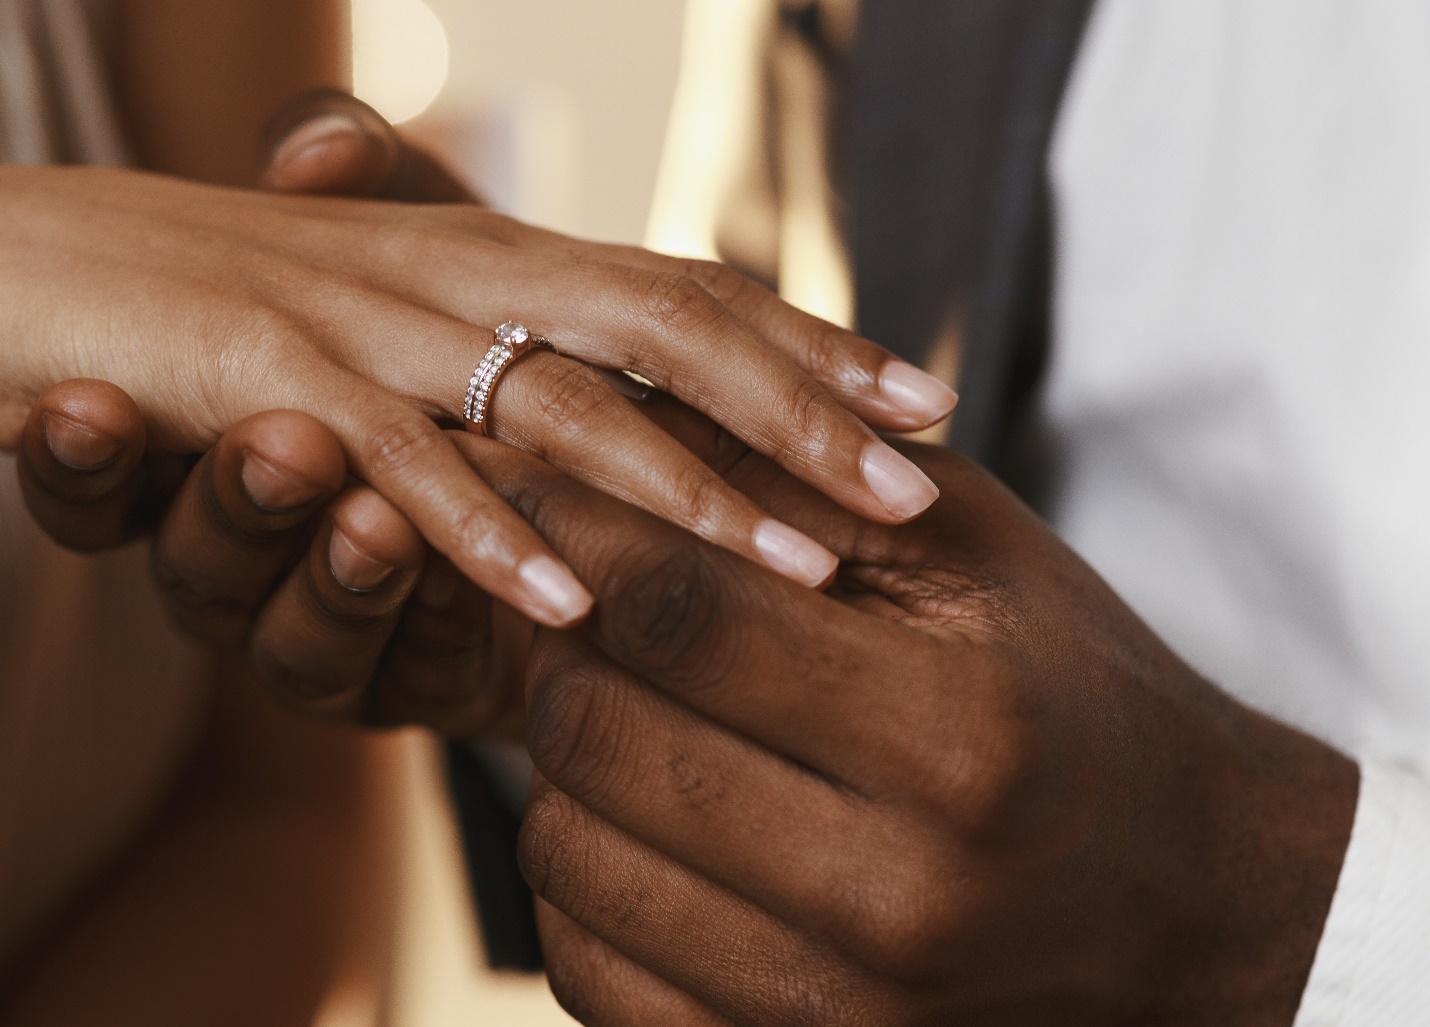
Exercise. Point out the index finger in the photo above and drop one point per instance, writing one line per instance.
(730, 639)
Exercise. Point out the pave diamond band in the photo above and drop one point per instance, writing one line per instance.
(509, 342)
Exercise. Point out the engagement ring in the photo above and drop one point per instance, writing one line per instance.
(510, 342)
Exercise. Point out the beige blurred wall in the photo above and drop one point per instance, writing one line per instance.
(558, 108)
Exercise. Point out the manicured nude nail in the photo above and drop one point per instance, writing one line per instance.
(903, 489)
(77, 447)
(554, 591)
(353, 568)
(274, 489)
(915, 392)
(793, 554)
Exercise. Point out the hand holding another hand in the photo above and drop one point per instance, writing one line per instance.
(209, 305)
(968, 786)
(228, 558)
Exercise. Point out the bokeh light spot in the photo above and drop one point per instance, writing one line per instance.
(400, 56)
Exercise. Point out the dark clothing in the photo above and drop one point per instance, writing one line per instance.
(951, 106)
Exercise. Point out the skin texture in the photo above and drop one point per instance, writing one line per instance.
(1064, 823)
(272, 302)
(966, 786)
(253, 572)
(255, 578)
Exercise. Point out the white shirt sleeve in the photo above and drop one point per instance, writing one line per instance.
(1372, 968)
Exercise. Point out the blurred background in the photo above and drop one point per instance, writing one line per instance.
(554, 109)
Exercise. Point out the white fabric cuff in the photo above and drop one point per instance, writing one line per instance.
(1372, 968)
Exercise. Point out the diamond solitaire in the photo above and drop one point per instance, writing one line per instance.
(512, 334)
(509, 342)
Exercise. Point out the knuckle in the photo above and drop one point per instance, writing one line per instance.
(571, 393)
(678, 302)
(577, 731)
(264, 338)
(477, 531)
(828, 356)
(811, 412)
(499, 228)
(664, 618)
(553, 854)
(269, 329)
(987, 784)
(402, 242)
(900, 927)
(400, 444)
(699, 497)
(249, 344)
(726, 285)
(986, 788)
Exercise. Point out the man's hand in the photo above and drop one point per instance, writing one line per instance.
(968, 786)
(262, 547)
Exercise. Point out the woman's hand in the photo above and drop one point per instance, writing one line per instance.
(210, 305)
(263, 549)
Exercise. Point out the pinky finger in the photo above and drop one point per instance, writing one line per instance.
(599, 986)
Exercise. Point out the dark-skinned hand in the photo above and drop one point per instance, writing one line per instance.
(968, 786)
(252, 556)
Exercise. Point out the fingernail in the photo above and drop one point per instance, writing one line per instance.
(353, 568)
(794, 554)
(77, 447)
(438, 586)
(311, 136)
(274, 489)
(915, 392)
(555, 591)
(904, 489)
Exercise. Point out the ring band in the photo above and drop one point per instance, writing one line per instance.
(510, 342)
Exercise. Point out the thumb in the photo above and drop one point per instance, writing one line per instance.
(327, 142)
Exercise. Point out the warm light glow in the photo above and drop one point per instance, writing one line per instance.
(704, 145)
(400, 56)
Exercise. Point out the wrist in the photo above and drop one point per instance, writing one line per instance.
(1282, 808)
